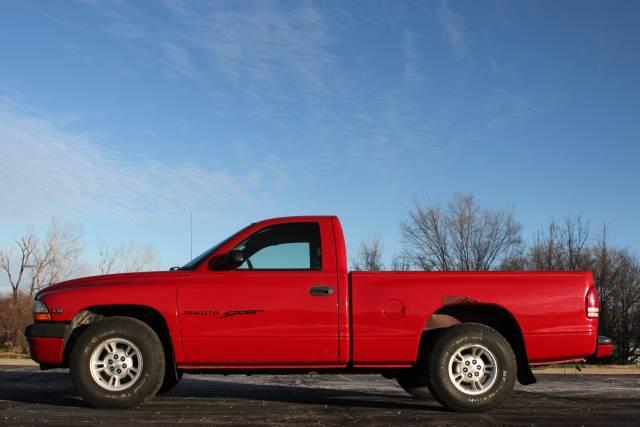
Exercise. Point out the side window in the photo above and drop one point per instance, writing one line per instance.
(294, 246)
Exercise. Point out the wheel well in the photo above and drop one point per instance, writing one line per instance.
(490, 315)
(148, 315)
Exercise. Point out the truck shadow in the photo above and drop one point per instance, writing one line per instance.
(55, 388)
(50, 388)
(308, 395)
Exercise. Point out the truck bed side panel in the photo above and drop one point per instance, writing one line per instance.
(390, 311)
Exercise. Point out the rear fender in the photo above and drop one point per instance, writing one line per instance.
(491, 315)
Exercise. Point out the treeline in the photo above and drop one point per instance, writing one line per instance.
(462, 236)
(457, 236)
(33, 262)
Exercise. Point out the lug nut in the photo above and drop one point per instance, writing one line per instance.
(111, 368)
(474, 361)
(110, 362)
(115, 357)
(465, 369)
(466, 363)
(124, 365)
(477, 374)
(469, 375)
(119, 371)
(122, 358)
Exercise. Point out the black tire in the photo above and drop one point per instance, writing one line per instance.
(416, 380)
(415, 384)
(458, 337)
(152, 361)
(171, 379)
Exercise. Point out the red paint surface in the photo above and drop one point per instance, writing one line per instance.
(46, 351)
(604, 350)
(290, 328)
(548, 307)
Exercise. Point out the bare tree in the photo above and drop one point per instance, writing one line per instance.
(369, 256)
(577, 235)
(14, 312)
(570, 246)
(58, 257)
(129, 257)
(17, 267)
(29, 266)
(562, 246)
(14, 316)
(617, 276)
(461, 236)
(106, 258)
(546, 251)
(400, 262)
(602, 272)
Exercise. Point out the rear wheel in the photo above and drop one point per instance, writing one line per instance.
(472, 368)
(416, 381)
(117, 363)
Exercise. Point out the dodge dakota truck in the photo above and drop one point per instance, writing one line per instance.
(276, 297)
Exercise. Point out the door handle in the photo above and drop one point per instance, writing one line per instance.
(321, 291)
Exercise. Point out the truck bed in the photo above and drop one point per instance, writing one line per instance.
(390, 310)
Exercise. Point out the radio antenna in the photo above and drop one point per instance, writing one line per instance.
(191, 233)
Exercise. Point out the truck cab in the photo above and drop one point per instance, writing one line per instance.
(269, 296)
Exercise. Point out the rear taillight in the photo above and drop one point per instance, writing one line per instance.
(593, 306)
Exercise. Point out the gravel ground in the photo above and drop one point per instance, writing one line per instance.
(29, 396)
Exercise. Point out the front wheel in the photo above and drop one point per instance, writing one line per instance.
(117, 363)
(472, 368)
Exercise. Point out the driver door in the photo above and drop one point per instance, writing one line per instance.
(279, 307)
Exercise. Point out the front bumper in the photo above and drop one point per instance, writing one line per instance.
(604, 348)
(46, 343)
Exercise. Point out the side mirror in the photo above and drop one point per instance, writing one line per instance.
(234, 257)
(230, 260)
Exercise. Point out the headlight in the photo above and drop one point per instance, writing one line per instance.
(40, 311)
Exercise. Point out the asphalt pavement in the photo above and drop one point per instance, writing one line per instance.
(29, 396)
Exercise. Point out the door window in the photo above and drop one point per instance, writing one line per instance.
(294, 246)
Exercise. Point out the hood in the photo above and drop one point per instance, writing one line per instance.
(149, 277)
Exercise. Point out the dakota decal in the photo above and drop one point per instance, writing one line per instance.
(230, 313)
(201, 312)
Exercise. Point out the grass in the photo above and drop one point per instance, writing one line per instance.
(7, 354)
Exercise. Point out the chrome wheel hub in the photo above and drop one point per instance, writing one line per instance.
(473, 369)
(116, 364)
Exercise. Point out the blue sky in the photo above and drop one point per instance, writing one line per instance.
(124, 117)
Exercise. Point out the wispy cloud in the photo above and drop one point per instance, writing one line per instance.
(280, 58)
(268, 41)
(506, 108)
(453, 28)
(248, 42)
(410, 55)
(179, 64)
(124, 20)
(45, 169)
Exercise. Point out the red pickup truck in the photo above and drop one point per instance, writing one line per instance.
(277, 297)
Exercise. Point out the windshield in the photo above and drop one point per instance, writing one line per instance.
(194, 263)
